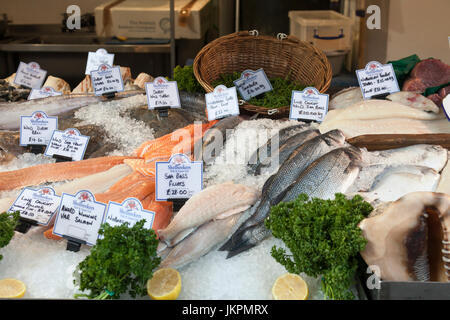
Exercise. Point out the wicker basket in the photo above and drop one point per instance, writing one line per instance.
(284, 56)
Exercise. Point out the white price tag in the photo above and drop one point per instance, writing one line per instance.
(69, 143)
(178, 178)
(377, 79)
(308, 104)
(252, 83)
(106, 79)
(97, 58)
(30, 75)
(43, 93)
(131, 211)
(162, 94)
(37, 128)
(222, 102)
(38, 205)
(79, 216)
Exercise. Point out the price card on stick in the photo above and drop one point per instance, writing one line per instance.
(30, 75)
(106, 79)
(79, 216)
(162, 93)
(252, 83)
(222, 102)
(69, 143)
(97, 58)
(377, 79)
(37, 129)
(308, 104)
(37, 205)
(43, 93)
(131, 211)
(178, 178)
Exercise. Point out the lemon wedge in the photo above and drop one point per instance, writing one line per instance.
(164, 285)
(290, 287)
(12, 288)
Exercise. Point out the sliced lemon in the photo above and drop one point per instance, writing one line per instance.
(12, 288)
(290, 287)
(164, 285)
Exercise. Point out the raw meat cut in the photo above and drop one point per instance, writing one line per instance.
(427, 73)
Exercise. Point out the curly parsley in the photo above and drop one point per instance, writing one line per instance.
(323, 237)
(122, 261)
(8, 222)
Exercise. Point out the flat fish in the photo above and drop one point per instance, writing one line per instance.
(199, 243)
(52, 106)
(215, 202)
(444, 182)
(345, 98)
(414, 100)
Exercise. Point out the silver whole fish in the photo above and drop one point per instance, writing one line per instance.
(199, 243)
(52, 106)
(332, 173)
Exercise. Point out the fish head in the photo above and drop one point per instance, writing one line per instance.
(334, 137)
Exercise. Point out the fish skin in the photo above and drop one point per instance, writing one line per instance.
(207, 205)
(396, 181)
(283, 135)
(286, 149)
(52, 106)
(217, 130)
(332, 173)
(414, 100)
(199, 243)
(300, 159)
(194, 102)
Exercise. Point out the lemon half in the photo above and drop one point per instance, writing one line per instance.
(12, 288)
(164, 285)
(290, 287)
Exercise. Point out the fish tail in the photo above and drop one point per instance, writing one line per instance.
(242, 248)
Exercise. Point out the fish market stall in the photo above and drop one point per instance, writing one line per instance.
(244, 176)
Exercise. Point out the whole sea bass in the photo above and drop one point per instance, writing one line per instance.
(52, 106)
(332, 173)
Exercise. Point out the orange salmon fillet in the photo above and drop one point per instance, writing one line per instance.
(53, 172)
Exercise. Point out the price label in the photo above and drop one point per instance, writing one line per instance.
(178, 178)
(222, 102)
(79, 216)
(30, 75)
(130, 211)
(252, 83)
(69, 143)
(162, 94)
(37, 128)
(377, 79)
(97, 58)
(308, 104)
(43, 93)
(446, 106)
(106, 79)
(38, 205)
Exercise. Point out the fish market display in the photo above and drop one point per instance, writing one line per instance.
(215, 202)
(409, 239)
(414, 100)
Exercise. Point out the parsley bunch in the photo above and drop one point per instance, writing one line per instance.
(323, 237)
(185, 78)
(8, 222)
(122, 261)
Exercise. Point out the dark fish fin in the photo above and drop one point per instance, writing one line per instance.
(240, 249)
(227, 245)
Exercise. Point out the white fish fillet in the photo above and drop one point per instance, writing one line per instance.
(205, 238)
(414, 100)
(378, 109)
(214, 201)
(444, 183)
(354, 128)
(345, 98)
(395, 182)
(96, 183)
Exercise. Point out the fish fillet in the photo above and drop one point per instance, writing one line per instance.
(414, 100)
(52, 172)
(208, 204)
(444, 183)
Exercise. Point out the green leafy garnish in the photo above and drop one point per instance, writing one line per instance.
(122, 261)
(8, 222)
(323, 237)
(186, 81)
